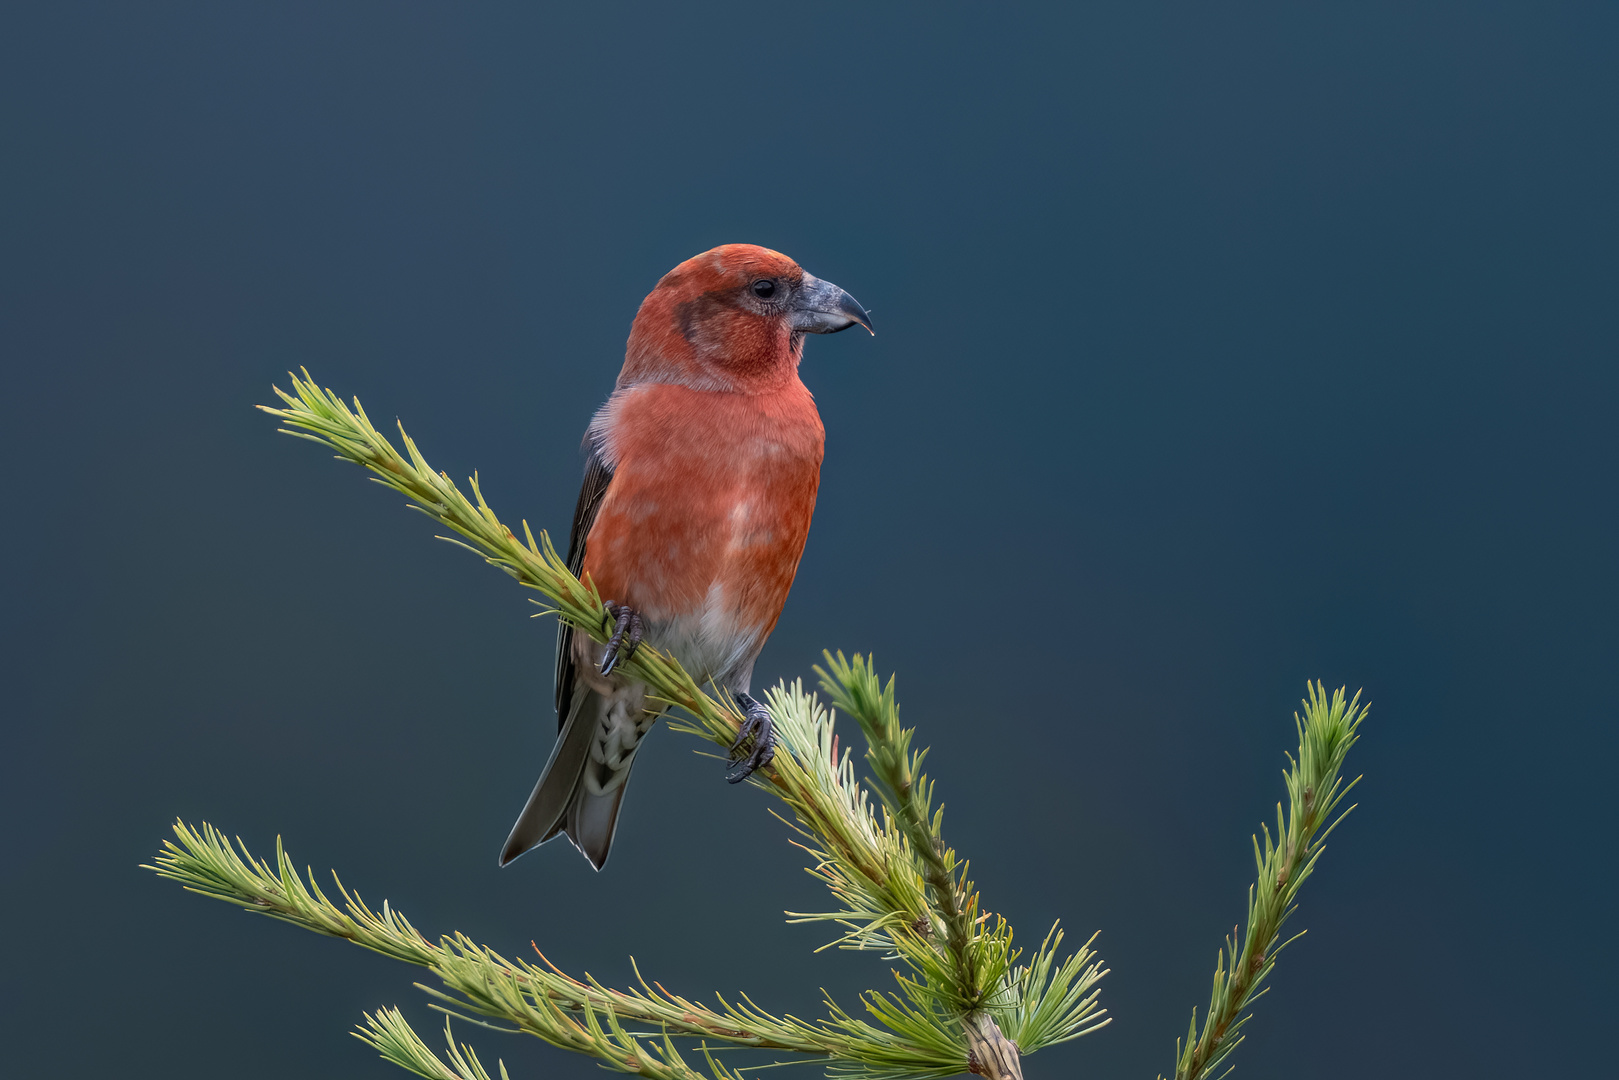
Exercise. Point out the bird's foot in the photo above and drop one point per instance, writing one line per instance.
(757, 729)
(627, 633)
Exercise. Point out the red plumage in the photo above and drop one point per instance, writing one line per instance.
(704, 465)
(710, 491)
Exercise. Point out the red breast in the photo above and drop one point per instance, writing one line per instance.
(709, 488)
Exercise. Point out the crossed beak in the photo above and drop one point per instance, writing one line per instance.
(820, 307)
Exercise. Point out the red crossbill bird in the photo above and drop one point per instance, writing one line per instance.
(699, 485)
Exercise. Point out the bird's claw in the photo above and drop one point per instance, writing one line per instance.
(627, 633)
(757, 728)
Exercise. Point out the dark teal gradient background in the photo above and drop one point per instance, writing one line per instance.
(1219, 347)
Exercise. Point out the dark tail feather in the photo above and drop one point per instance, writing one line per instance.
(593, 819)
(547, 807)
(560, 801)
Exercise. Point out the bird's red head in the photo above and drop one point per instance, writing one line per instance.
(733, 318)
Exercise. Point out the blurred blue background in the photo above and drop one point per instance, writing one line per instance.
(1219, 348)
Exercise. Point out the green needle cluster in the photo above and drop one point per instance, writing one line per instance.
(1315, 788)
(966, 999)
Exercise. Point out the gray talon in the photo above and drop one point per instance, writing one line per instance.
(627, 632)
(757, 728)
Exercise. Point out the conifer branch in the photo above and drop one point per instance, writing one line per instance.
(1315, 788)
(977, 960)
(895, 877)
(964, 1002)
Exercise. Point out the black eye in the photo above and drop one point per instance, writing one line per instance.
(764, 289)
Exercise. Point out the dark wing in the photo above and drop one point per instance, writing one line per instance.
(598, 474)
